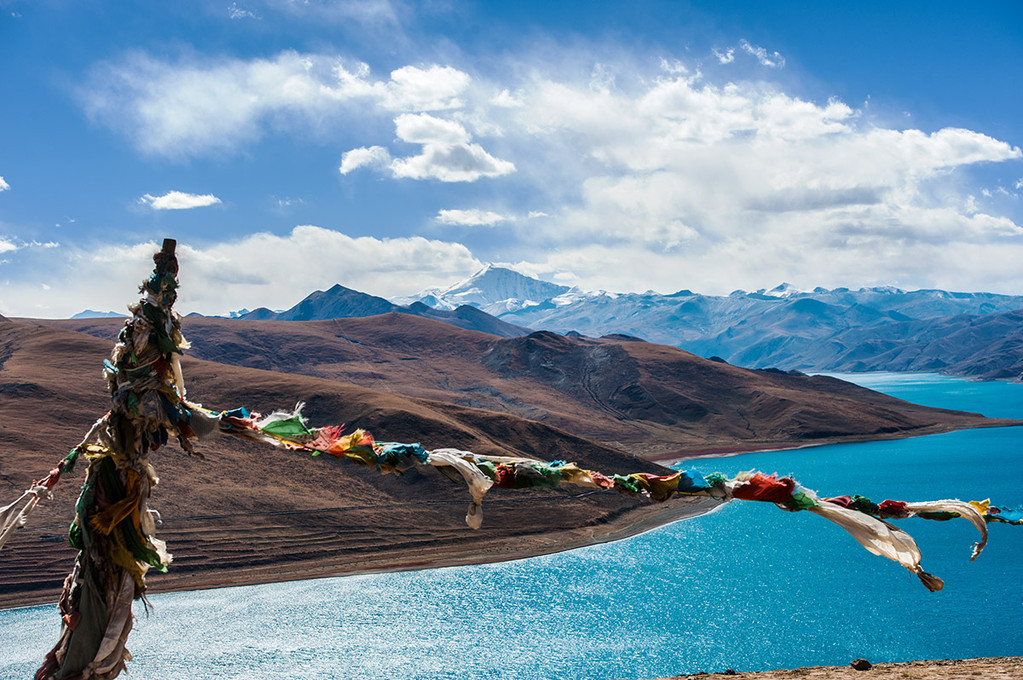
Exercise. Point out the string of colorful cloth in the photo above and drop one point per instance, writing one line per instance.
(114, 529)
(861, 517)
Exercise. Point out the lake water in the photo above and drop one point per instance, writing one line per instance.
(748, 587)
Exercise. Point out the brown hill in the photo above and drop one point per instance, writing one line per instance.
(249, 513)
(655, 400)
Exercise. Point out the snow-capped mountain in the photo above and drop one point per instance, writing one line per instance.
(781, 291)
(874, 328)
(495, 290)
(339, 302)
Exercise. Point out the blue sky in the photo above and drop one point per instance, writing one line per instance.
(393, 146)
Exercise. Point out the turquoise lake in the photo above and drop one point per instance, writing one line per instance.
(747, 587)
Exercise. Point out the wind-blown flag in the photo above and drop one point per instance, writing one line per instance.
(114, 529)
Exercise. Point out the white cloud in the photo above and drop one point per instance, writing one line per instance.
(472, 218)
(724, 56)
(194, 107)
(260, 269)
(506, 99)
(374, 157)
(718, 184)
(451, 163)
(9, 245)
(279, 270)
(743, 185)
(769, 59)
(447, 153)
(430, 89)
(4, 186)
(288, 202)
(178, 200)
(236, 12)
(426, 129)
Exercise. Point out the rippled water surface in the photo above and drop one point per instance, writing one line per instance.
(748, 587)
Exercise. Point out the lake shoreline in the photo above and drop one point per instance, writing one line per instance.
(990, 668)
(639, 520)
(728, 450)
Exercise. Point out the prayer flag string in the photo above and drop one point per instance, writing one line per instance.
(114, 529)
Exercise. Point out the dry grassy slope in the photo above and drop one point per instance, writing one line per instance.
(652, 399)
(255, 513)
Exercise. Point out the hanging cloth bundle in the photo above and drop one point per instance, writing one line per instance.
(114, 528)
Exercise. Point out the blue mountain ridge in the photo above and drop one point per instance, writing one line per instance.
(869, 329)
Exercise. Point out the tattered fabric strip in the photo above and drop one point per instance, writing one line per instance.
(114, 528)
(864, 520)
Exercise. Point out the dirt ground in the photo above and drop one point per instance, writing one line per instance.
(994, 668)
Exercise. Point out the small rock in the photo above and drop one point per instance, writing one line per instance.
(861, 665)
(730, 671)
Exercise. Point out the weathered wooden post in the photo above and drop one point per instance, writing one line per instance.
(114, 529)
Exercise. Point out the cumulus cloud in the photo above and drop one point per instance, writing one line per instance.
(375, 157)
(447, 153)
(769, 59)
(4, 186)
(426, 129)
(743, 185)
(451, 163)
(425, 89)
(472, 218)
(717, 184)
(261, 269)
(201, 107)
(178, 200)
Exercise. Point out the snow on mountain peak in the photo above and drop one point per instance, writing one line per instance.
(782, 290)
(494, 289)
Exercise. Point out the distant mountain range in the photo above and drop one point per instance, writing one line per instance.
(93, 314)
(339, 302)
(493, 289)
(869, 329)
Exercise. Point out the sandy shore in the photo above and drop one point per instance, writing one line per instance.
(382, 557)
(994, 668)
(468, 548)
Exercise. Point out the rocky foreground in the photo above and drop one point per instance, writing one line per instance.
(993, 668)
